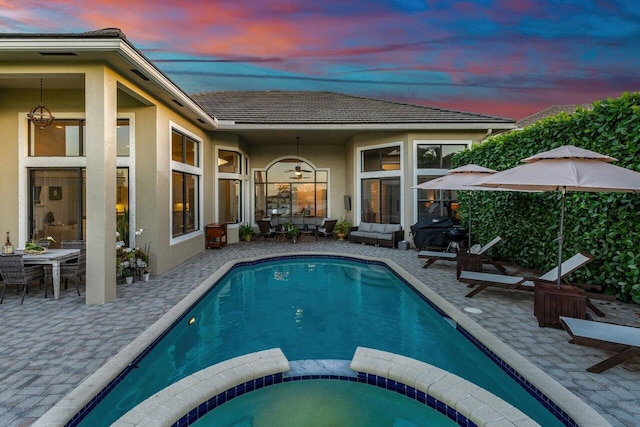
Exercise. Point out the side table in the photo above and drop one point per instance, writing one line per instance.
(215, 235)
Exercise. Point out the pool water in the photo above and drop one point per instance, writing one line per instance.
(323, 403)
(311, 308)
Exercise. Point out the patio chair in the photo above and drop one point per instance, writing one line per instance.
(481, 280)
(73, 270)
(433, 256)
(266, 229)
(623, 340)
(326, 228)
(14, 272)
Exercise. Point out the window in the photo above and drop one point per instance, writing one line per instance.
(290, 188)
(228, 161)
(67, 138)
(437, 156)
(185, 184)
(381, 200)
(230, 200)
(433, 159)
(381, 159)
(184, 149)
(230, 183)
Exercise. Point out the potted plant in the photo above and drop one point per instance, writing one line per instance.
(245, 232)
(127, 272)
(292, 231)
(342, 228)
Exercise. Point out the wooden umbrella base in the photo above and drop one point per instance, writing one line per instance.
(550, 303)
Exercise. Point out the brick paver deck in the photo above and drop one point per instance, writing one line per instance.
(48, 347)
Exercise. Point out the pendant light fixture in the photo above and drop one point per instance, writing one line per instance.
(40, 115)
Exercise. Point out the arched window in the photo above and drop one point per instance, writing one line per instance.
(288, 188)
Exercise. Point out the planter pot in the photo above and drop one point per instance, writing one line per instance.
(128, 280)
(341, 236)
(550, 303)
(145, 277)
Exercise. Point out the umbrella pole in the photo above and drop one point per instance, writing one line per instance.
(470, 203)
(561, 236)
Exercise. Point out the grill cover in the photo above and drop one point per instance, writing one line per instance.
(430, 231)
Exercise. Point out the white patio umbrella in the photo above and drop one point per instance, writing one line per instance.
(459, 179)
(563, 169)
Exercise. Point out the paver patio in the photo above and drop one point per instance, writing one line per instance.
(48, 347)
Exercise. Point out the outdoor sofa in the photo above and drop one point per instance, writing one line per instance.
(371, 233)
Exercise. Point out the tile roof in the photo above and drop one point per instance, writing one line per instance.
(326, 108)
(554, 110)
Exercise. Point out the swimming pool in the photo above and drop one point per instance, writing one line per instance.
(318, 307)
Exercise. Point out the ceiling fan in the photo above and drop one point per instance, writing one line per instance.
(297, 171)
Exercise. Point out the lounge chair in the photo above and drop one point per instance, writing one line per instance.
(481, 280)
(624, 340)
(433, 256)
(266, 229)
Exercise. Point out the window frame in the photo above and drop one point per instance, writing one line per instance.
(26, 162)
(242, 176)
(431, 172)
(395, 173)
(191, 170)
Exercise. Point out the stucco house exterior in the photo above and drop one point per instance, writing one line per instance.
(126, 140)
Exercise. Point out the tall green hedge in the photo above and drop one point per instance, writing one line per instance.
(607, 225)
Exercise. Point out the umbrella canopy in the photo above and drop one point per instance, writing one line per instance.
(563, 169)
(459, 179)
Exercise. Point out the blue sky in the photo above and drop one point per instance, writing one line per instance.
(508, 58)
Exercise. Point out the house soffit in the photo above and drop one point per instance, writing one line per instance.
(112, 50)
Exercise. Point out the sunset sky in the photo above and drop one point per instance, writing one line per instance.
(508, 58)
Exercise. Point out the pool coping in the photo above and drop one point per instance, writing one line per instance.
(581, 413)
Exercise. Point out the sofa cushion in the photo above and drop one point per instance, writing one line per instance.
(357, 233)
(364, 226)
(391, 228)
(377, 228)
(385, 236)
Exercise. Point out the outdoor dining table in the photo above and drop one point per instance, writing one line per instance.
(52, 257)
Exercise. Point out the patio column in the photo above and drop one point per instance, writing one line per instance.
(101, 113)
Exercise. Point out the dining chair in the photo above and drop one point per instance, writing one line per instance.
(73, 270)
(73, 244)
(14, 272)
